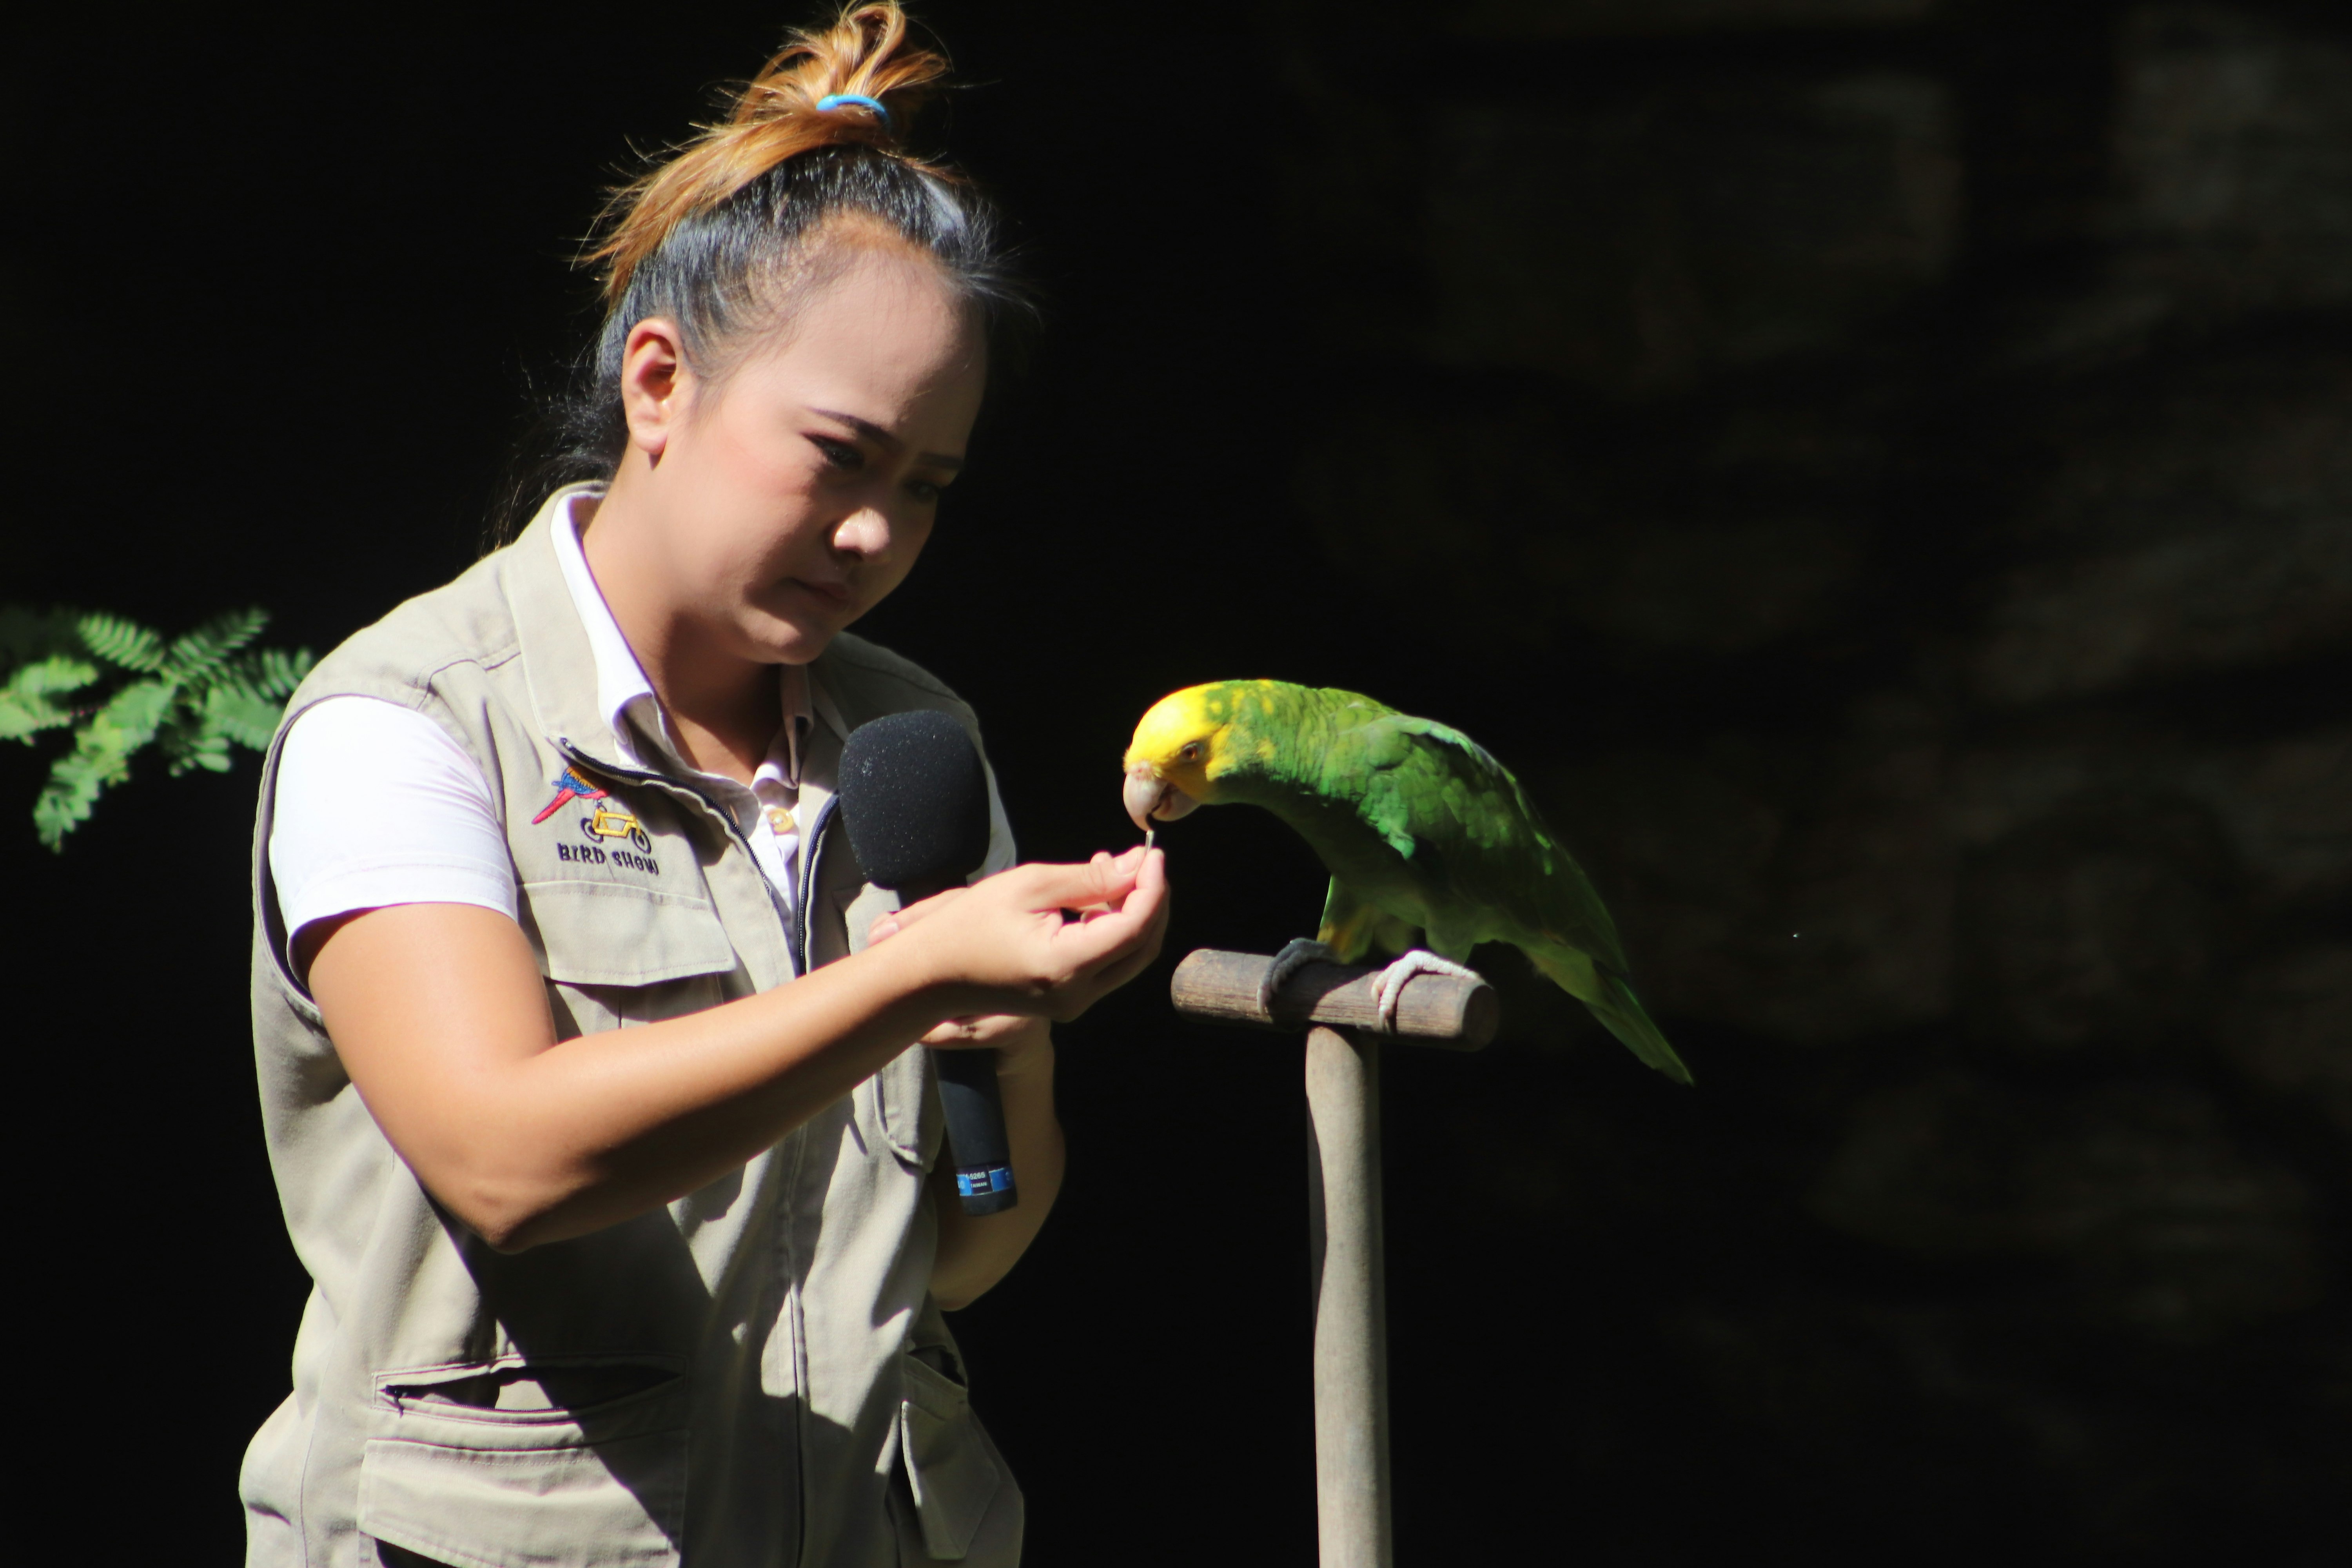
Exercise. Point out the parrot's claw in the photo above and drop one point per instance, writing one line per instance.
(1296, 955)
(1389, 989)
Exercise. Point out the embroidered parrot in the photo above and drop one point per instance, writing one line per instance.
(1420, 828)
(569, 786)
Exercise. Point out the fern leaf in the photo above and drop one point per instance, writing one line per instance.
(26, 705)
(194, 659)
(242, 715)
(270, 674)
(53, 676)
(101, 757)
(194, 698)
(182, 735)
(282, 671)
(202, 748)
(120, 640)
(73, 787)
(132, 715)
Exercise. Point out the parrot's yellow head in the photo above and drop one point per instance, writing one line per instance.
(1177, 753)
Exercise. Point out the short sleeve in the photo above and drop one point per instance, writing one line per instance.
(377, 805)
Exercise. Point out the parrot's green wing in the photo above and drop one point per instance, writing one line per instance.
(1489, 868)
(1480, 847)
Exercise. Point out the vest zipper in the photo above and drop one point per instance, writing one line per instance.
(796, 928)
(812, 853)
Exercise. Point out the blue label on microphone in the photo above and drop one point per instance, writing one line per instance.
(995, 1179)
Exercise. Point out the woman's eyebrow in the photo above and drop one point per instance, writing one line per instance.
(881, 438)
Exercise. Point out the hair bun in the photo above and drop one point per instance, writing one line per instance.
(863, 54)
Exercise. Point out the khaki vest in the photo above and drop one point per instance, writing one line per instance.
(753, 1374)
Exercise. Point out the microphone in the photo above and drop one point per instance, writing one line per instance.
(914, 798)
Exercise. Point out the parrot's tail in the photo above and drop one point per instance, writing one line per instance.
(1622, 1016)
(1613, 1003)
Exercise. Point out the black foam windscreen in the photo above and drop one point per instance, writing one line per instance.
(914, 798)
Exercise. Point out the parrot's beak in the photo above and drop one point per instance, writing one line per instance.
(1150, 797)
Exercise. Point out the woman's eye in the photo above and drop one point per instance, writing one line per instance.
(838, 455)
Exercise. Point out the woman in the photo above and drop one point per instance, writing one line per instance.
(587, 1069)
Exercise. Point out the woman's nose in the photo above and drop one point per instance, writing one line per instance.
(863, 533)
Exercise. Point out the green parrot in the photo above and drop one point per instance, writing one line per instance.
(1420, 828)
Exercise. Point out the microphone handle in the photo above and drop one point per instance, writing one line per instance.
(978, 1146)
(976, 1140)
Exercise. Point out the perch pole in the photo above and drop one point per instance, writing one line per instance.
(1336, 1007)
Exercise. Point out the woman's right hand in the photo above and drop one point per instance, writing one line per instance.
(1044, 940)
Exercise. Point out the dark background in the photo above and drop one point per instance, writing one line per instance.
(1878, 469)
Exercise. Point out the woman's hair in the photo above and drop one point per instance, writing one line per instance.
(740, 225)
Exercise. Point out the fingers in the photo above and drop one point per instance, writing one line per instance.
(1100, 860)
(1037, 888)
(1103, 881)
(891, 924)
(1011, 937)
(1124, 938)
(1140, 901)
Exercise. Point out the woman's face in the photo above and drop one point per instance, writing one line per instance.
(794, 494)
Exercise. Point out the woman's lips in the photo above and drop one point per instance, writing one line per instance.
(834, 593)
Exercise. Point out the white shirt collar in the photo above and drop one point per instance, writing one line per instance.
(626, 698)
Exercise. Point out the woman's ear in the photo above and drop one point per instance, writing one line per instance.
(654, 384)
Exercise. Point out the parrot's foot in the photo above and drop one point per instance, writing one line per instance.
(1389, 989)
(1296, 955)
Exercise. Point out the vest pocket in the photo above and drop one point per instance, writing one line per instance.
(476, 1465)
(595, 933)
(900, 1107)
(952, 1470)
(614, 957)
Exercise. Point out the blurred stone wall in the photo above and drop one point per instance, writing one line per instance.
(1887, 465)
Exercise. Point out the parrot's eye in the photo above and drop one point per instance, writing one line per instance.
(1190, 752)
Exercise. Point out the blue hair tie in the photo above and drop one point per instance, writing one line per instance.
(833, 100)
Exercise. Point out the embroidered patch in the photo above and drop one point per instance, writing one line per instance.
(603, 822)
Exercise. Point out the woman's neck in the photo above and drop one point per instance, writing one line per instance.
(723, 710)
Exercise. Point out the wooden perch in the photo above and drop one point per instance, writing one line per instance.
(1435, 1009)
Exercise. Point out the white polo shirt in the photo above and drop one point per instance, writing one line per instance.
(377, 806)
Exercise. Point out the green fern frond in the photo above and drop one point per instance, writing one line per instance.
(192, 700)
(282, 671)
(193, 659)
(268, 674)
(120, 640)
(26, 705)
(132, 715)
(242, 714)
(101, 757)
(195, 746)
